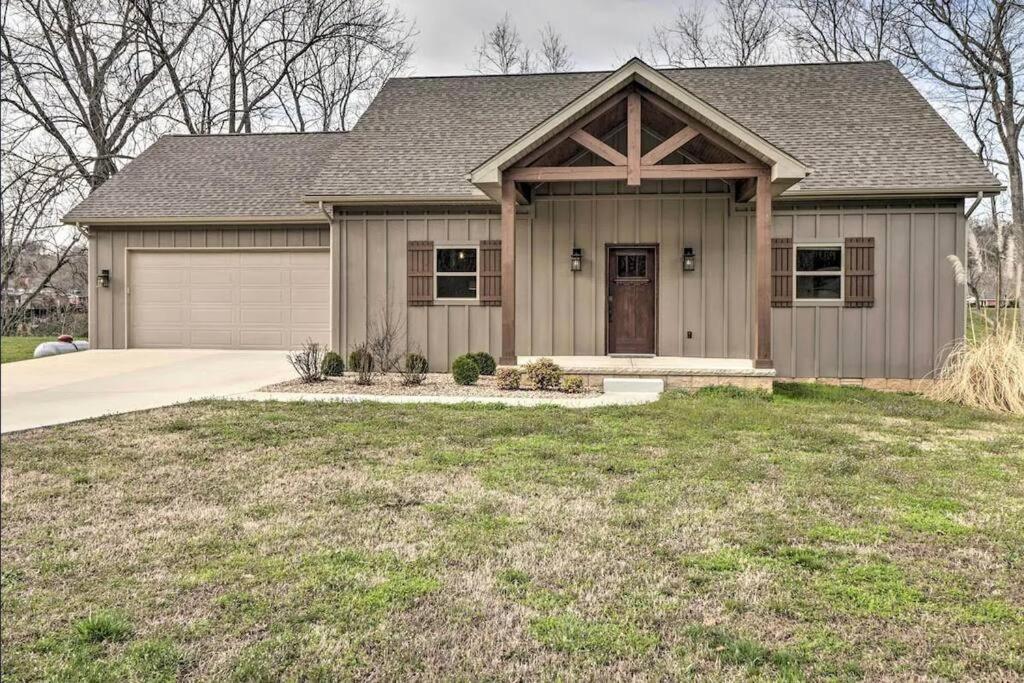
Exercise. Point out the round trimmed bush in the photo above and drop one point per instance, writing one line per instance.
(465, 370)
(572, 384)
(544, 373)
(485, 362)
(357, 358)
(333, 365)
(509, 378)
(416, 363)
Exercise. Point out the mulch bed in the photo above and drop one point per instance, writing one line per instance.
(435, 384)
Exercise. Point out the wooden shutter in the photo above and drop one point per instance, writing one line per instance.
(489, 264)
(420, 269)
(782, 272)
(860, 272)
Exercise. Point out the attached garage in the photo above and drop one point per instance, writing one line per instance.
(227, 299)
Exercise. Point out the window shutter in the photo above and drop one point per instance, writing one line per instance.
(420, 269)
(490, 272)
(860, 272)
(782, 272)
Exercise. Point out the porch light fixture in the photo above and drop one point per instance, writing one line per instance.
(103, 279)
(689, 259)
(576, 260)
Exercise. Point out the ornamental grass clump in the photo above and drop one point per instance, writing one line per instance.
(986, 373)
(986, 369)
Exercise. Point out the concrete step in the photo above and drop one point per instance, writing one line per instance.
(633, 385)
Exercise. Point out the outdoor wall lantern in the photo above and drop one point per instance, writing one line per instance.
(576, 260)
(103, 279)
(689, 259)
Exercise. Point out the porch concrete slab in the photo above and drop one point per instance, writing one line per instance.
(79, 386)
(657, 365)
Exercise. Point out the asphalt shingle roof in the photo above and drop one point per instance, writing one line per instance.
(859, 126)
(199, 176)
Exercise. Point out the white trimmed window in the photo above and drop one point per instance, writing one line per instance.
(456, 271)
(818, 273)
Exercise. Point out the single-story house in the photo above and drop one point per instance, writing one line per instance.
(789, 221)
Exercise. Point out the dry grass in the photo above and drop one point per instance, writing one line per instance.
(821, 533)
(986, 372)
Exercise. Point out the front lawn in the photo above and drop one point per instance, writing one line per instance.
(827, 532)
(19, 348)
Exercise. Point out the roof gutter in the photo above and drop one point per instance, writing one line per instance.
(393, 199)
(142, 221)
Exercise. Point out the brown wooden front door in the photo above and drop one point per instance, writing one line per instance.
(632, 299)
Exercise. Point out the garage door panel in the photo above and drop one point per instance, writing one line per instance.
(160, 315)
(208, 294)
(216, 315)
(267, 296)
(240, 299)
(212, 276)
(309, 295)
(255, 338)
(211, 338)
(264, 316)
(264, 276)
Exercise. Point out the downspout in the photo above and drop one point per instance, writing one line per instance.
(335, 277)
(975, 205)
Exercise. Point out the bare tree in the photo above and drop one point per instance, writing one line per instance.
(34, 247)
(554, 53)
(743, 33)
(78, 72)
(976, 48)
(501, 50)
(330, 86)
(844, 30)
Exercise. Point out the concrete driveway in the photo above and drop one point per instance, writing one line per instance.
(78, 386)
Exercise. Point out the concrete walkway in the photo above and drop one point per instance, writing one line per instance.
(520, 401)
(79, 386)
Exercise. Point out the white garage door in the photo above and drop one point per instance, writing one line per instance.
(228, 299)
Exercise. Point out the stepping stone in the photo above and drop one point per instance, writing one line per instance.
(633, 385)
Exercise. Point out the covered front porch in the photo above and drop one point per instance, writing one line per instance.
(634, 129)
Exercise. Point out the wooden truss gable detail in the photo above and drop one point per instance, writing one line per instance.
(635, 166)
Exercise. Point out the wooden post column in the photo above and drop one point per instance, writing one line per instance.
(763, 273)
(508, 272)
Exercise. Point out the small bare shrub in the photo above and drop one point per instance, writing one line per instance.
(572, 384)
(414, 370)
(308, 362)
(509, 378)
(544, 373)
(386, 341)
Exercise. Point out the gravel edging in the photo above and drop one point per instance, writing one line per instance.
(593, 400)
(435, 384)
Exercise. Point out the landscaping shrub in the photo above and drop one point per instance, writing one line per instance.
(986, 373)
(509, 378)
(334, 365)
(414, 370)
(465, 370)
(308, 362)
(360, 361)
(572, 384)
(485, 362)
(359, 358)
(544, 373)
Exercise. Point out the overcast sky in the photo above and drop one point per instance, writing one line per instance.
(601, 33)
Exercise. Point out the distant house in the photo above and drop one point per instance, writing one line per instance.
(778, 220)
